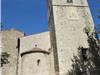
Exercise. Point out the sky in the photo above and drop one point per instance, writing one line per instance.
(0, 10)
(94, 7)
(30, 16)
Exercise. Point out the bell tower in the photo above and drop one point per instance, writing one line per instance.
(67, 20)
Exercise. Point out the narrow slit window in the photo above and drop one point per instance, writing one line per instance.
(38, 62)
(69, 1)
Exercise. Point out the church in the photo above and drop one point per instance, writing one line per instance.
(49, 53)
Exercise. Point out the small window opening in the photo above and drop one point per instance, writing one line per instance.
(84, 53)
(69, 1)
(38, 61)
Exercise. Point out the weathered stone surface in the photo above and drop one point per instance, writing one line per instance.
(35, 64)
(42, 41)
(28, 62)
(9, 44)
(74, 2)
(49, 53)
(70, 19)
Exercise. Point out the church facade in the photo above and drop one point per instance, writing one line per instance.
(49, 53)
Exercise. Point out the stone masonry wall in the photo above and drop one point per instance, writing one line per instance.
(70, 19)
(9, 44)
(42, 41)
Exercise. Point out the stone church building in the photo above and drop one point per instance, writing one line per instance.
(49, 53)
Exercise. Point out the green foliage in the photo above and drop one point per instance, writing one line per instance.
(87, 29)
(78, 66)
(94, 50)
(4, 58)
(91, 64)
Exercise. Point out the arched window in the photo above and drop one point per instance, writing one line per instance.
(69, 1)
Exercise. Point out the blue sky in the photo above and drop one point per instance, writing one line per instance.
(30, 16)
(94, 7)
